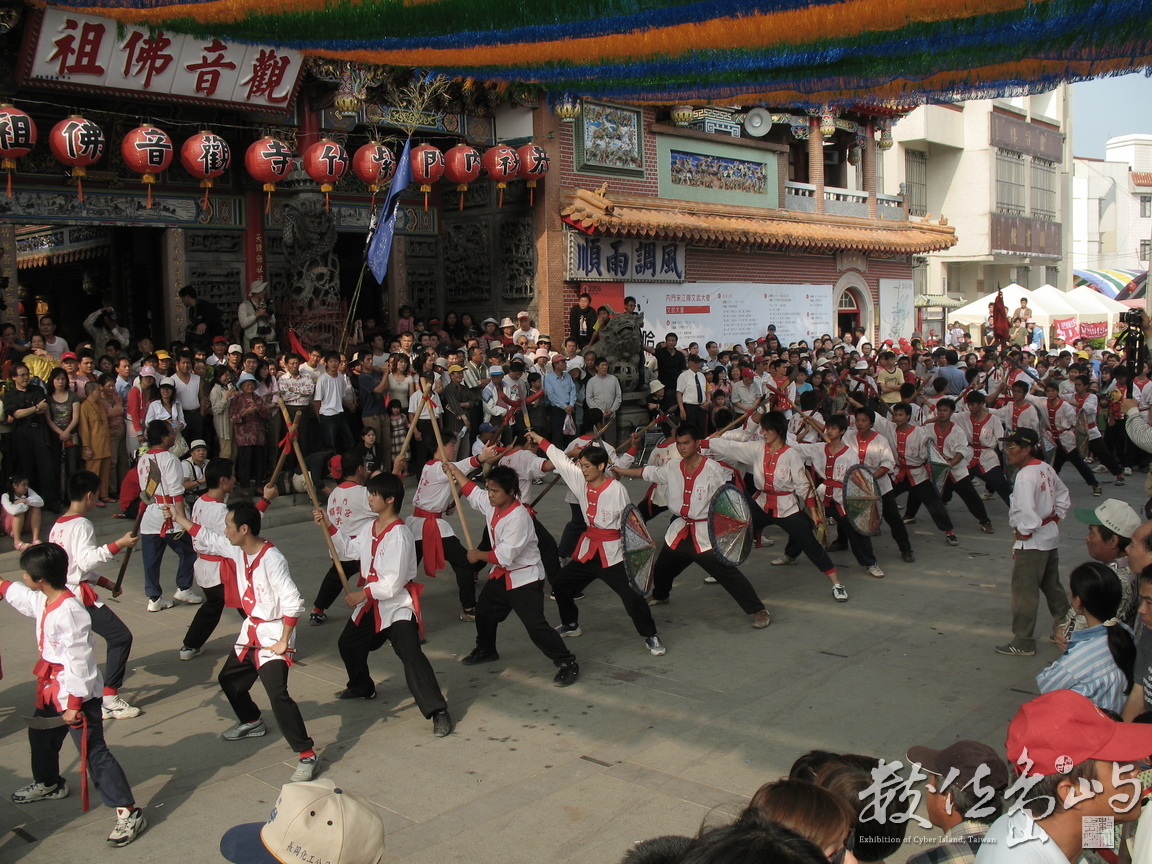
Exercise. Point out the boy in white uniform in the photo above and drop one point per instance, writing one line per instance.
(348, 510)
(264, 647)
(73, 532)
(386, 605)
(68, 686)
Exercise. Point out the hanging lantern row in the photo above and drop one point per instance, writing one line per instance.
(148, 150)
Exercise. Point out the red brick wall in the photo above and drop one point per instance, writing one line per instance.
(647, 186)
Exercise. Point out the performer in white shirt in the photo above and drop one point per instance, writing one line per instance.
(875, 451)
(599, 553)
(73, 532)
(575, 526)
(349, 513)
(1020, 413)
(910, 442)
(267, 638)
(951, 442)
(516, 581)
(436, 541)
(1039, 501)
(158, 532)
(529, 468)
(1086, 404)
(68, 686)
(1060, 434)
(215, 575)
(386, 605)
(691, 482)
(655, 499)
(984, 431)
(781, 484)
(831, 460)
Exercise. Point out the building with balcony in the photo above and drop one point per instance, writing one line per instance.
(997, 170)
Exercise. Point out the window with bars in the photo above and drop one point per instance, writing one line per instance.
(1145, 250)
(916, 182)
(1146, 206)
(1043, 189)
(1011, 188)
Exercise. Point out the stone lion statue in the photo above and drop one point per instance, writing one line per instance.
(621, 342)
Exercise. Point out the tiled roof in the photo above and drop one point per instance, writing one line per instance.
(1142, 178)
(714, 224)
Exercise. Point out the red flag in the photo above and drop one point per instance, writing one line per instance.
(1000, 327)
(296, 345)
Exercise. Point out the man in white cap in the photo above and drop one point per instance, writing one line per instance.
(507, 328)
(194, 468)
(333, 825)
(1110, 530)
(524, 328)
(256, 315)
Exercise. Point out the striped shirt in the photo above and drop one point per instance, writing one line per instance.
(1088, 668)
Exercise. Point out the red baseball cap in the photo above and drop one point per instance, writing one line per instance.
(747, 373)
(219, 340)
(69, 355)
(336, 467)
(1061, 729)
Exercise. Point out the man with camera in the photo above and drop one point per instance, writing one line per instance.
(256, 315)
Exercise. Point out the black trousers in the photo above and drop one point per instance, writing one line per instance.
(995, 481)
(895, 521)
(112, 630)
(457, 559)
(549, 556)
(968, 495)
(923, 493)
(249, 467)
(207, 617)
(495, 603)
(798, 527)
(106, 773)
(556, 417)
(34, 456)
(860, 545)
(236, 680)
(671, 561)
(357, 641)
(1105, 457)
(330, 587)
(572, 531)
(649, 511)
(1073, 458)
(577, 576)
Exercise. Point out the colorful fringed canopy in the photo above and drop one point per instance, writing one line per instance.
(799, 52)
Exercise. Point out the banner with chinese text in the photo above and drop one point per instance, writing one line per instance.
(623, 259)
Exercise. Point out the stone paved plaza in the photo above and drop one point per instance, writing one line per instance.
(640, 746)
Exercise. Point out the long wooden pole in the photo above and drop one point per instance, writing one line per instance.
(742, 419)
(316, 504)
(284, 452)
(412, 428)
(444, 461)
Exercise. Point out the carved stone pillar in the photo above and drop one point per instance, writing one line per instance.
(816, 161)
(551, 255)
(869, 164)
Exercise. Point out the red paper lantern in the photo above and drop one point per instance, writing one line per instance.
(17, 138)
(462, 166)
(501, 164)
(205, 155)
(268, 161)
(326, 162)
(374, 164)
(77, 143)
(534, 164)
(427, 167)
(147, 150)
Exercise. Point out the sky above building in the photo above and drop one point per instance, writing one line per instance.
(1107, 108)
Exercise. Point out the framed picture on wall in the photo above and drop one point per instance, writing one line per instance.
(610, 139)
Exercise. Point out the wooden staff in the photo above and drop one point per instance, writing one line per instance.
(451, 477)
(412, 428)
(150, 487)
(316, 503)
(742, 419)
(284, 451)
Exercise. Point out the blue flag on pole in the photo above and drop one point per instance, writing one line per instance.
(380, 246)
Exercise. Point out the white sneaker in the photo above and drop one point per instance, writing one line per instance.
(875, 570)
(655, 646)
(305, 768)
(115, 708)
(159, 604)
(130, 824)
(1128, 471)
(709, 580)
(187, 653)
(782, 561)
(840, 592)
(187, 595)
(39, 792)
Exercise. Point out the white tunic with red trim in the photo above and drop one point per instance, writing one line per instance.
(831, 468)
(211, 513)
(66, 675)
(170, 490)
(1060, 422)
(689, 496)
(348, 509)
(1089, 406)
(528, 467)
(911, 454)
(515, 554)
(75, 534)
(603, 510)
(665, 452)
(268, 595)
(433, 497)
(876, 453)
(951, 442)
(1026, 416)
(985, 436)
(781, 479)
(1039, 501)
(800, 432)
(387, 567)
(620, 460)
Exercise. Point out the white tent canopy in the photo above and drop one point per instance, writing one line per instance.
(1044, 313)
